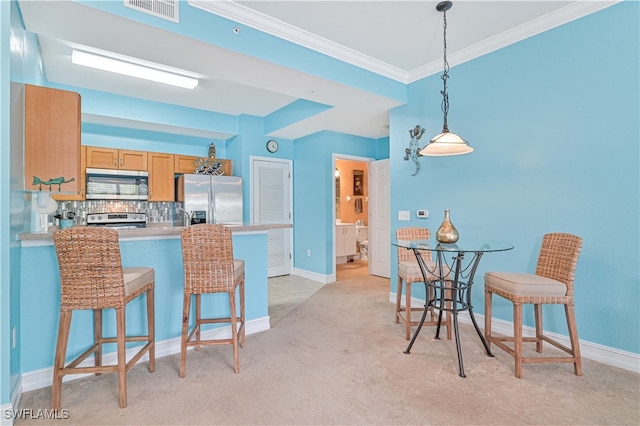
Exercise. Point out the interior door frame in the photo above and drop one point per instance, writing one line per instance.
(337, 156)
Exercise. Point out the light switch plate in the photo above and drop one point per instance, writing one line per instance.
(403, 215)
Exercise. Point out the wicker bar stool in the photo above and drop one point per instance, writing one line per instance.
(551, 284)
(209, 267)
(92, 277)
(409, 273)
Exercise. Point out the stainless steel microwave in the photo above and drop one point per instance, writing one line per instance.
(107, 184)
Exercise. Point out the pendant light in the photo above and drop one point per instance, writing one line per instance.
(445, 143)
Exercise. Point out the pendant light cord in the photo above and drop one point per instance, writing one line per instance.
(445, 76)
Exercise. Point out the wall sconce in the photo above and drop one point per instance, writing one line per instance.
(337, 173)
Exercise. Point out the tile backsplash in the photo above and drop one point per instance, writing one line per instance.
(157, 212)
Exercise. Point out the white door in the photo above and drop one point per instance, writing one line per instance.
(271, 203)
(379, 219)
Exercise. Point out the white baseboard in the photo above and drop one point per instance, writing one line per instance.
(42, 378)
(593, 351)
(314, 276)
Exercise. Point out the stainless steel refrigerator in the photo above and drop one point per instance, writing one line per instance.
(210, 199)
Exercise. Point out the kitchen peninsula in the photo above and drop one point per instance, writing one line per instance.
(156, 247)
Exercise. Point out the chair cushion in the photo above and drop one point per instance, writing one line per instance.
(136, 278)
(238, 268)
(521, 284)
(409, 270)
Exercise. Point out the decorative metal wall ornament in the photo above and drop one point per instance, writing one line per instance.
(446, 142)
(413, 151)
(53, 181)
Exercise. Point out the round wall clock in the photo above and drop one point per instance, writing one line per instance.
(272, 146)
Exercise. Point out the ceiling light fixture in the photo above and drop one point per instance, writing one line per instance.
(119, 66)
(445, 143)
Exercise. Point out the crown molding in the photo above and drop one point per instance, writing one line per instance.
(231, 10)
(259, 21)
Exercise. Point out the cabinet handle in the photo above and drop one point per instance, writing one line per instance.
(121, 163)
(115, 162)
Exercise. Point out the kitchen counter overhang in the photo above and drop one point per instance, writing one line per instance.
(33, 239)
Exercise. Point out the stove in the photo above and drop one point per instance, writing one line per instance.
(117, 220)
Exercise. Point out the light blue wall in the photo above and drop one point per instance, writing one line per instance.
(312, 195)
(554, 122)
(20, 62)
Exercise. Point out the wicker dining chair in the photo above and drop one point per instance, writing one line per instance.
(409, 273)
(209, 267)
(92, 277)
(552, 283)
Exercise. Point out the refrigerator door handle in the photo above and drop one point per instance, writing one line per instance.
(212, 204)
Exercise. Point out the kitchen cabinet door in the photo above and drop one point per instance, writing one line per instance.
(133, 160)
(184, 164)
(113, 158)
(52, 139)
(161, 177)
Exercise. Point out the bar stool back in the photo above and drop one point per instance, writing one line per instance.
(209, 267)
(92, 277)
(552, 283)
(409, 272)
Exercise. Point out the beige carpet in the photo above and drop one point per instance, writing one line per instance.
(338, 359)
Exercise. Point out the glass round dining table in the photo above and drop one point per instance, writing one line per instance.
(449, 279)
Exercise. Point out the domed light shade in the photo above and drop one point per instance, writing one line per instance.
(446, 143)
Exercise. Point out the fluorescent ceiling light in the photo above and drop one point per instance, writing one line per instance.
(106, 63)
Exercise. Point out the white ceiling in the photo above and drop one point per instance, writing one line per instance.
(401, 40)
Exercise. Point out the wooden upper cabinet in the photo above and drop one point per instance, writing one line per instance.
(113, 158)
(161, 177)
(52, 139)
(185, 164)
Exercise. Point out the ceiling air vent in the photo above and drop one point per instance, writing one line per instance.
(166, 9)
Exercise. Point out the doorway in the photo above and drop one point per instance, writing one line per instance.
(351, 212)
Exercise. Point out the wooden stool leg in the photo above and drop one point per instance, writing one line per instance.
(198, 318)
(122, 356)
(537, 309)
(186, 306)
(61, 351)
(398, 299)
(573, 337)
(234, 331)
(97, 337)
(151, 329)
(242, 316)
(487, 317)
(517, 337)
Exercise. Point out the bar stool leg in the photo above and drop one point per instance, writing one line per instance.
(186, 306)
(234, 331)
(61, 350)
(122, 357)
(398, 299)
(242, 316)
(97, 337)
(198, 319)
(151, 329)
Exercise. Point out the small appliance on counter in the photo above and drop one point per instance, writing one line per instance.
(42, 205)
(118, 220)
